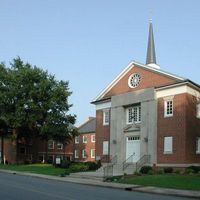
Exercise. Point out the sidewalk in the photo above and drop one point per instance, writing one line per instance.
(99, 183)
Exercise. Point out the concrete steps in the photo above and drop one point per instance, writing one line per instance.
(130, 169)
(88, 175)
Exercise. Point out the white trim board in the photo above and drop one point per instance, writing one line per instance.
(104, 105)
(177, 90)
(127, 69)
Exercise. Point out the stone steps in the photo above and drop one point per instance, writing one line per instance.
(88, 175)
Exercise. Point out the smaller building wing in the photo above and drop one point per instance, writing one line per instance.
(89, 126)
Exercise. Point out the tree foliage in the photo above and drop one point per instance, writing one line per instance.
(33, 102)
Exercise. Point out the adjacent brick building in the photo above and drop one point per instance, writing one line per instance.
(84, 144)
(81, 149)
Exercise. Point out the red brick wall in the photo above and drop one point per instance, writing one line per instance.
(87, 146)
(172, 126)
(9, 151)
(148, 79)
(66, 152)
(183, 127)
(102, 134)
(192, 130)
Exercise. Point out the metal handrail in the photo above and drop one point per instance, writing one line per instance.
(143, 160)
(108, 171)
(125, 164)
(114, 160)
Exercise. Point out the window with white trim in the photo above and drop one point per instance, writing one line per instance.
(133, 114)
(93, 139)
(50, 144)
(133, 138)
(76, 153)
(198, 145)
(84, 139)
(84, 154)
(106, 117)
(168, 108)
(198, 110)
(77, 139)
(59, 145)
(92, 153)
(105, 147)
(168, 144)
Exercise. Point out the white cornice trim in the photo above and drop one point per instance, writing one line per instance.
(159, 71)
(127, 69)
(120, 76)
(177, 90)
(104, 105)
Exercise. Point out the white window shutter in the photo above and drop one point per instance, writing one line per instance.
(168, 144)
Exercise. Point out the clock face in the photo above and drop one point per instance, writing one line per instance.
(134, 80)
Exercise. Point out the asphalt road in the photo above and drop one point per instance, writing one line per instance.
(16, 187)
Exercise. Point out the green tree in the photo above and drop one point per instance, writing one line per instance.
(4, 88)
(35, 104)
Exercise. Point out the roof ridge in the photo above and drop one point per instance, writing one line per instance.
(89, 120)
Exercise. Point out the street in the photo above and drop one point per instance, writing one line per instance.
(16, 187)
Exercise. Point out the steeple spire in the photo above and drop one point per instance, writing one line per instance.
(151, 54)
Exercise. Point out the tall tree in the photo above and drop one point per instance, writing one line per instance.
(4, 88)
(36, 103)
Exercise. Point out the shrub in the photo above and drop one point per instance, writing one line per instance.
(67, 172)
(189, 171)
(137, 173)
(79, 167)
(168, 170)
(65, 164)
(196, 169)
(178, 171)
(161, 171)
(146, 169)
(99, 163)
(92, 165)
(150, 172)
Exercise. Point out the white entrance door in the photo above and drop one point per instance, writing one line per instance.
(133, 148)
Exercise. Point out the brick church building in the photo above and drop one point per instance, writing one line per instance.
(148, 116)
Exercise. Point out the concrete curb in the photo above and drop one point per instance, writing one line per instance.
(128, 187)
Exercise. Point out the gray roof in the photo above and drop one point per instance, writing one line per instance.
(89, 126)
(151, 54)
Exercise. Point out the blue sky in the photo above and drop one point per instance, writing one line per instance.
(89, 42)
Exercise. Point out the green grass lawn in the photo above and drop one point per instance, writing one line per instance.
(46, 169)
(189, 182)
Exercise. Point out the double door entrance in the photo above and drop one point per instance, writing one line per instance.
(133, 149)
